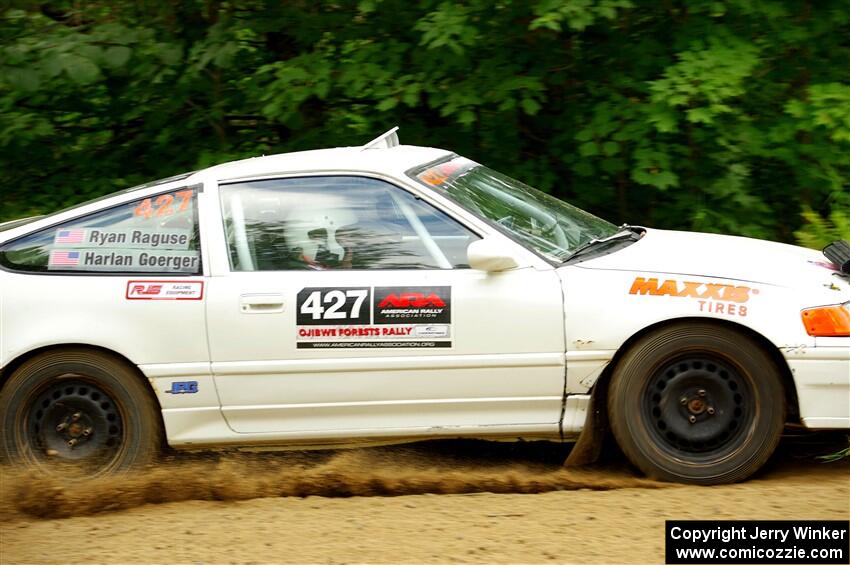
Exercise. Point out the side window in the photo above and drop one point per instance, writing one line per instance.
(156, 235)
(337, 223)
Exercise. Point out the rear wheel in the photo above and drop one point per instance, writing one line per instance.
(77, 411)
(697, 403)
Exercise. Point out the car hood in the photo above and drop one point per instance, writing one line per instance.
(721, 256)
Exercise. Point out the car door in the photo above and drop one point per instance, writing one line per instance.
(347, 308)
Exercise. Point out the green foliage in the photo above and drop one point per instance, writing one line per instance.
(838, 455)
(577, 14)
(818, 232)
(715, 115)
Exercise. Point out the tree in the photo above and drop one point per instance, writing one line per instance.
(729, 116)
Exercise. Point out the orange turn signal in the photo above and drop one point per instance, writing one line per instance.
(827, 321)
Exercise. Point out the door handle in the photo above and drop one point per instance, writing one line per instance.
(261, 303)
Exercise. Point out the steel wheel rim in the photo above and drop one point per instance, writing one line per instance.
(73, 421)
(698, 406)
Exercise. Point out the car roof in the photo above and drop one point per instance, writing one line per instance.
(392, 160)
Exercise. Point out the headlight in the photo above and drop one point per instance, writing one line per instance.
(828, 321)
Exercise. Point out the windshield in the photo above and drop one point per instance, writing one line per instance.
(549, 226)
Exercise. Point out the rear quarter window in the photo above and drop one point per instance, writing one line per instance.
(156, 235)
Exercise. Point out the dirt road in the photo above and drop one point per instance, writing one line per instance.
(262, 509)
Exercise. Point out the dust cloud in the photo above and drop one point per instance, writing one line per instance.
(393, 471)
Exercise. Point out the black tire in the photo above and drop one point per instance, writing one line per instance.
(72, 411)
(697, 403)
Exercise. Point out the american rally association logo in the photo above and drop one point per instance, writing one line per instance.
(415, 305)
(713, 298)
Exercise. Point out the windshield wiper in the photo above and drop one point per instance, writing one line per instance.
(626, 232)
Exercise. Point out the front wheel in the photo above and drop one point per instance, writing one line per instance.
(78, 411)
(697, 403)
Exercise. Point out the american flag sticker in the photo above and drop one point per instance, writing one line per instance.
(69, 236)
(64, 259)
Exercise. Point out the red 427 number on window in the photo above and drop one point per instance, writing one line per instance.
(164, 204)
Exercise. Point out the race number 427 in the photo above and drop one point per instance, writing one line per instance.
(324, 306)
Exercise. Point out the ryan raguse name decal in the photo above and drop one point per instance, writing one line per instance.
(380, 317)
(127, 238)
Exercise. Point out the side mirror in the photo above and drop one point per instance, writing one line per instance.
(487, 255)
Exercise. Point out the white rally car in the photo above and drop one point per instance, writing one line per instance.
(396, 293)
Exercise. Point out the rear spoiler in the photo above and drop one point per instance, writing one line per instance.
(839, 253)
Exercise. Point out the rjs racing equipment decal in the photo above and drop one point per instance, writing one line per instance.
(165, 290)
(379, 317)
